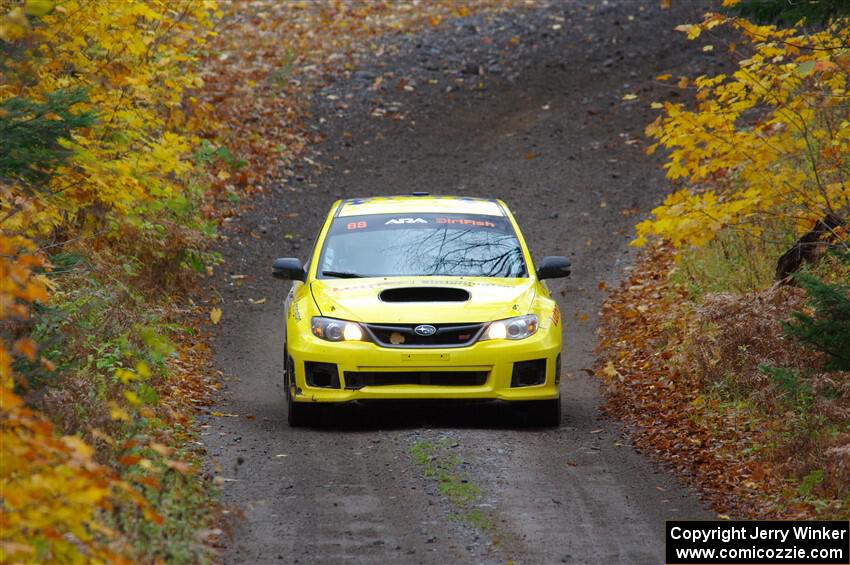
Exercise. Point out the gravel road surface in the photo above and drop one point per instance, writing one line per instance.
(528, 107)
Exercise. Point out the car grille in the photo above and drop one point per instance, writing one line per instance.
(446, 335)
(355, 380)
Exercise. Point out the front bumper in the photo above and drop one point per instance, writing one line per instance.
(493, 361)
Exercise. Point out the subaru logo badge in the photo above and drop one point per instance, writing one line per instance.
(425, 330)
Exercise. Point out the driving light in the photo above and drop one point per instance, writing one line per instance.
(497, 330)
(520, 327)
(331, 329)
(352, 332)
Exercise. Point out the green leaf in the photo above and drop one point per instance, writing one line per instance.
(810, 481)
(147, 394)
(806, 68)
(38, 8)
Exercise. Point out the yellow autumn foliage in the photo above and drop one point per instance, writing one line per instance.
(53, 493)
(133, 59)
(771, 139)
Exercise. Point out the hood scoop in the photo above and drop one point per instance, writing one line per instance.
(424, 294)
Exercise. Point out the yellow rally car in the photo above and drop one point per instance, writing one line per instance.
(421, 297)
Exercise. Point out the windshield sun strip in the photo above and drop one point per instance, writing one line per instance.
(508, 230)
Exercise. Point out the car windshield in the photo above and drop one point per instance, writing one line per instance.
(392, 245)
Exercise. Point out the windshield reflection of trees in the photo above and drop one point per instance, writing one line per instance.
(471, 252)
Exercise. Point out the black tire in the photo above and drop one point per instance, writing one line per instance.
(301, 414)
(298, 414)
(544, 413)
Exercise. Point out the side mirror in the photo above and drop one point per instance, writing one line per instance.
(288, 268)
(554, 268)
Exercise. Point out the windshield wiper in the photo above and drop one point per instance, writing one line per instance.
(342, 275)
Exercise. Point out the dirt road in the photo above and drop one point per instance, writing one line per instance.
(527, 107)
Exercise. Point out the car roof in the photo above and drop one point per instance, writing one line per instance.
(420, 204)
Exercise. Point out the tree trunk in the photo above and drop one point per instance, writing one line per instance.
(808, 249)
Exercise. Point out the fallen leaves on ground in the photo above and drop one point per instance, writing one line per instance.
(660, 362)
(268, 57)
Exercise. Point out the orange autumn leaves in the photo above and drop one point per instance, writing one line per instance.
(52, 488)
(643, 327)
(53, 493)
(19, 286)
(687, 376)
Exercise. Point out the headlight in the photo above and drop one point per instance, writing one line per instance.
(331, 329)
(520, 327)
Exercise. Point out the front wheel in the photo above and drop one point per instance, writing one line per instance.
(298, 414)
(543, 413)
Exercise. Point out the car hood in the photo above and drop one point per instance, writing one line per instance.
(418, 300)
